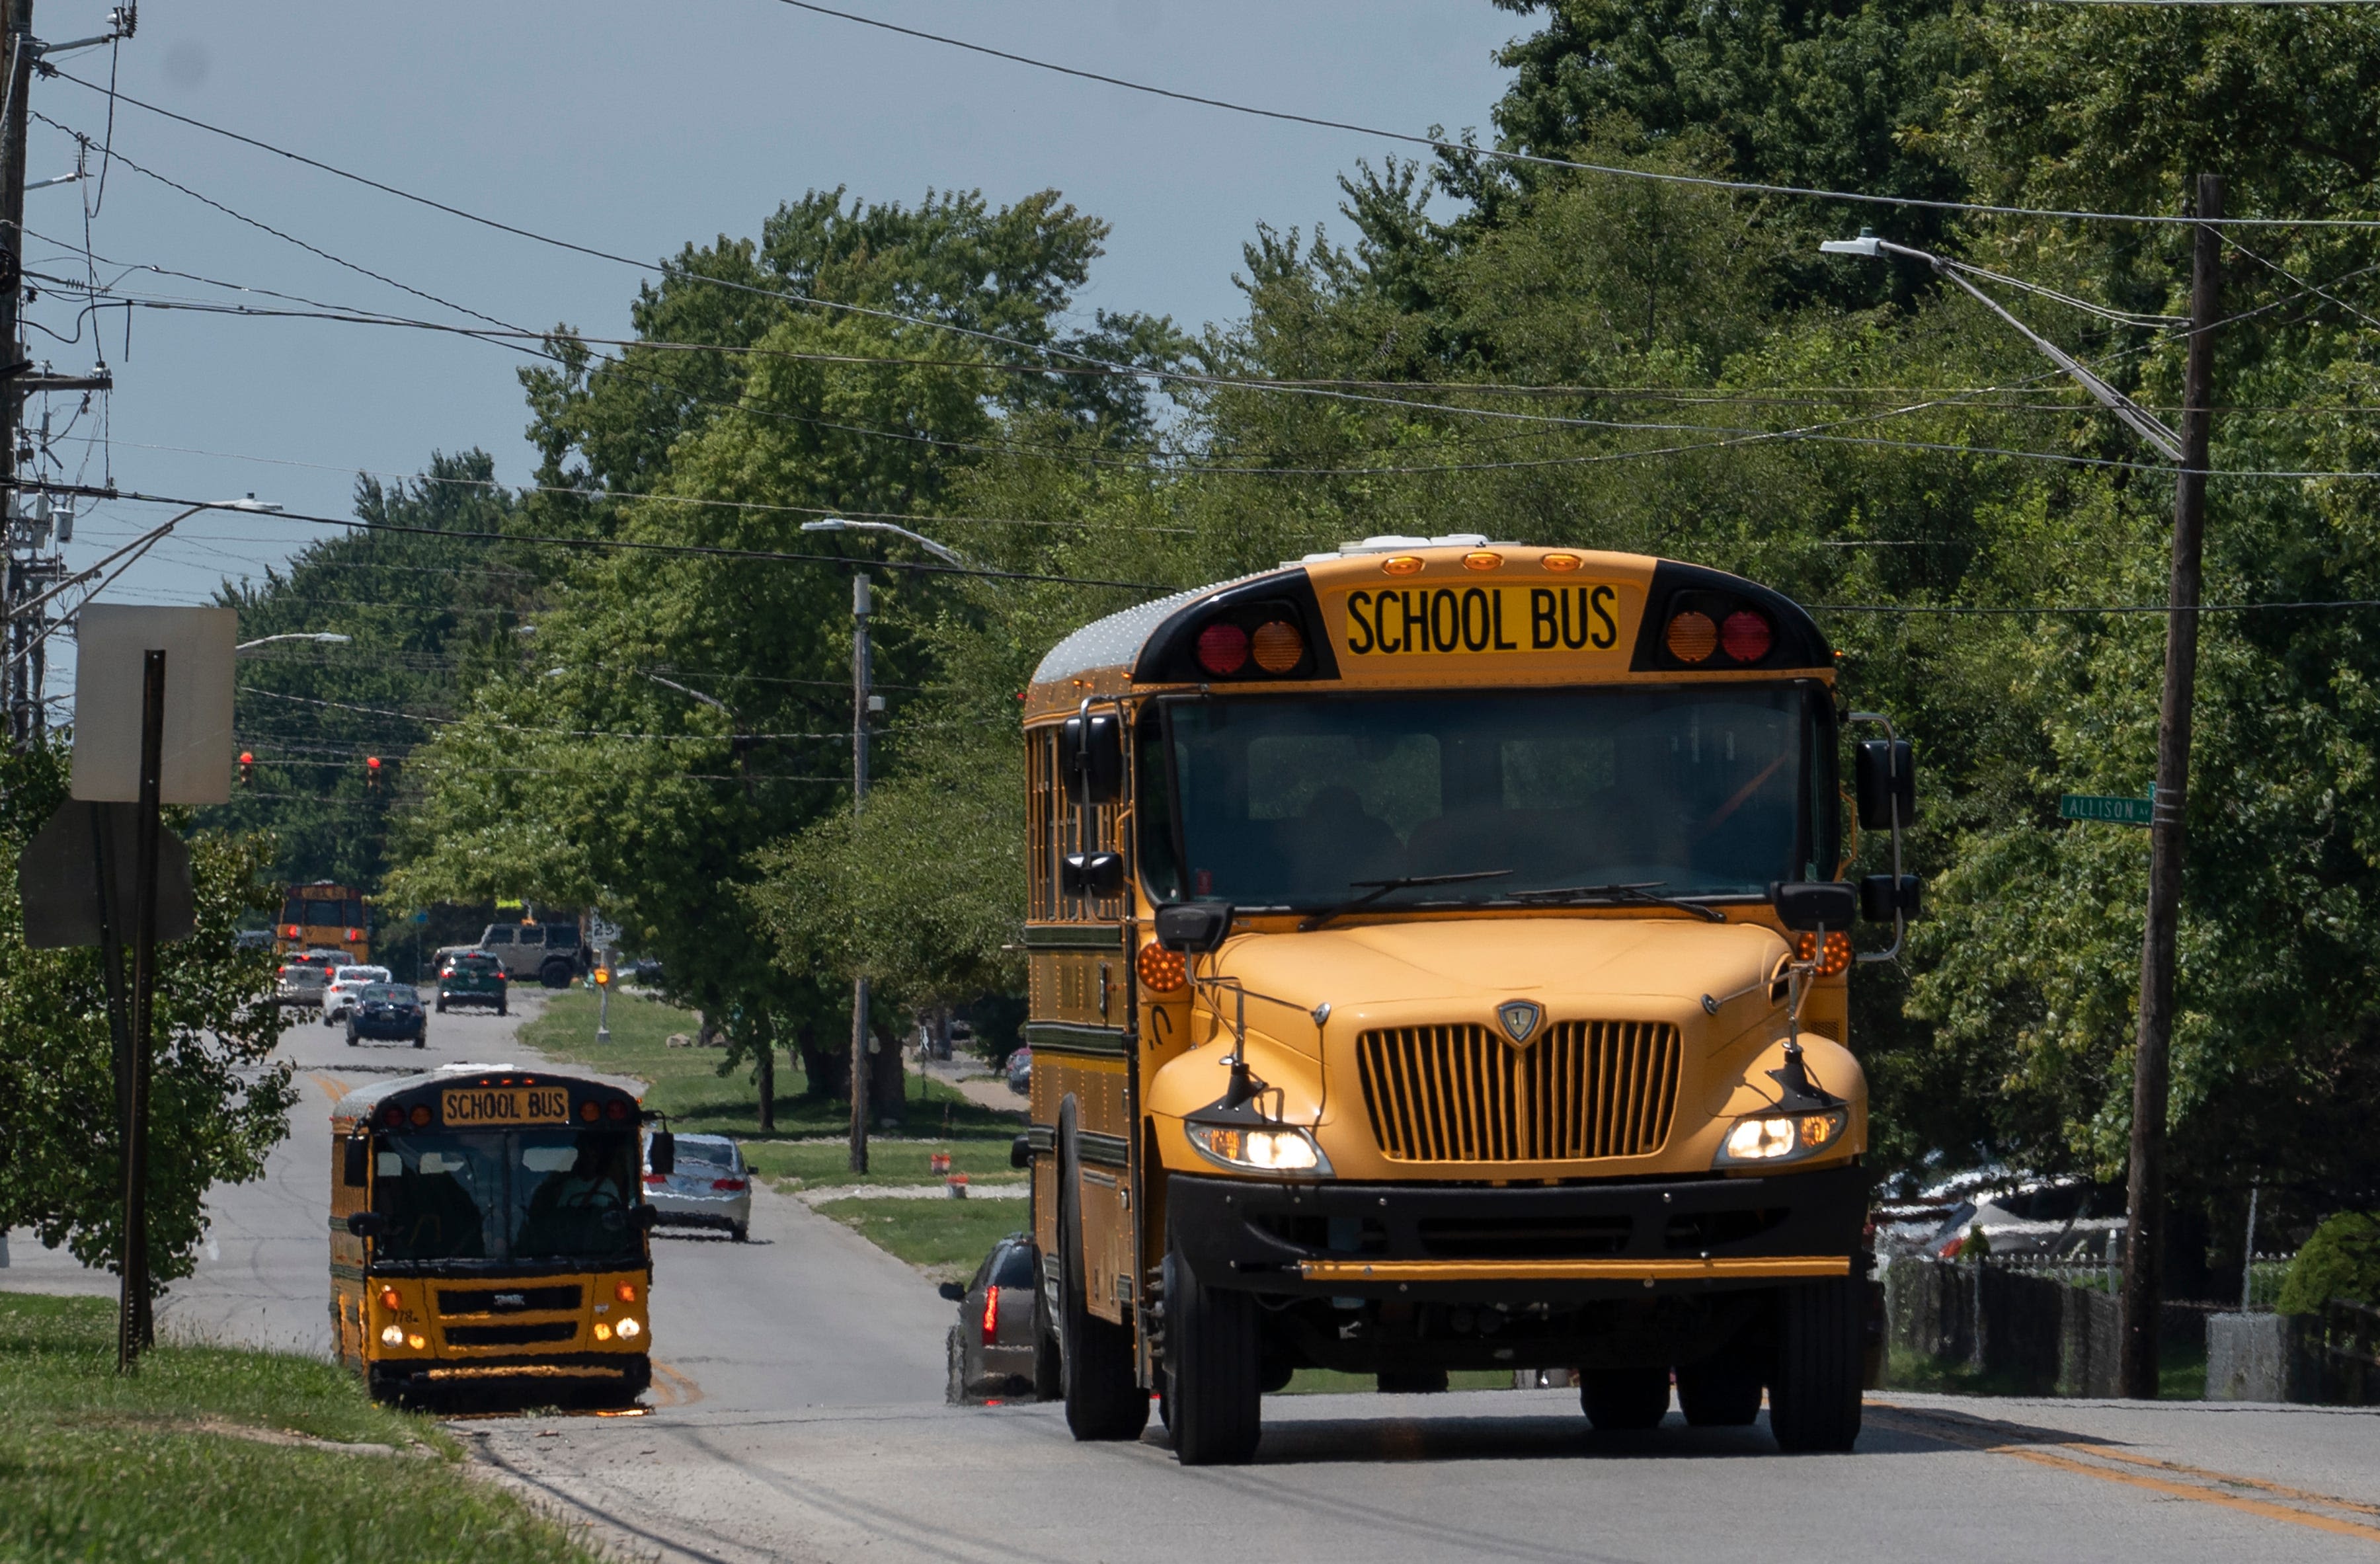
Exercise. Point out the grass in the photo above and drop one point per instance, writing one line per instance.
(2182, 1376)
(93, 1466)
(687, 1087)
(1331, 1382)
(816, 1164)
(946, 1239)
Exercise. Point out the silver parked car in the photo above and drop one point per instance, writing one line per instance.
(346, 982)
(709, 1187)
(993, 1348)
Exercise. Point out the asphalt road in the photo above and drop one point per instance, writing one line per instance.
(797, 1414)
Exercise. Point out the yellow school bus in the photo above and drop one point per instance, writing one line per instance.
(325, 917)
(489, 1231)
(1439, 961)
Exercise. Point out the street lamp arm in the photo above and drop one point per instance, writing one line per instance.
(329, 638)
(2140, 421)
(712, 701)
(836, 524)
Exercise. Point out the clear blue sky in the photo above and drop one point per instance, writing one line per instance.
(635, 127)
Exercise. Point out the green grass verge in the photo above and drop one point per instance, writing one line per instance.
(946, 1239)
(2182, 1376)
(687, 1087)
(815, 1164)
(1331, 1382)
(93, 1466)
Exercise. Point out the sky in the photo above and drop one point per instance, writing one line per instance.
(631, 128)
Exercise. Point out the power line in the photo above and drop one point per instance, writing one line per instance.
(1466, 150)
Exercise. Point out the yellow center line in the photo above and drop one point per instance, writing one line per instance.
(671, 1389)
(1946, 1430)
(330, 1083)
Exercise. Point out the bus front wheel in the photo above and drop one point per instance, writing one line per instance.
(1814, 1393)
(1214, 1369)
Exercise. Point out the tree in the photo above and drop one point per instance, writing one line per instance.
(216, 1105)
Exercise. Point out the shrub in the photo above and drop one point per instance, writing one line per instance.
(2341, 1260)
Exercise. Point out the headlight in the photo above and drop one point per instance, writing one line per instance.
(1782, 1137)
(630, 1330)
(392, 1335)
(1269, 1151)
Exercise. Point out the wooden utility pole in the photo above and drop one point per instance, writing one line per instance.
(862, 677)
(23, 700)
(2145, 1230)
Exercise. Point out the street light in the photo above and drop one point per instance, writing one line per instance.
(141, 545)
(328, 638)
(837, 524)
(862, 703)
(2152, 1037)
(712, 701)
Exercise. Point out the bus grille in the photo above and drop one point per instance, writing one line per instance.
(1460, 1093)
(510, 1334)
(505, 1300)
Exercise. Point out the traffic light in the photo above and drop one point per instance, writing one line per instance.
(371, 773)
(247, 769)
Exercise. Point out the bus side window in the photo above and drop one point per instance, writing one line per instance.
(352, 1172)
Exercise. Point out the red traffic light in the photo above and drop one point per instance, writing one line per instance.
(247, 769)
(371, 773)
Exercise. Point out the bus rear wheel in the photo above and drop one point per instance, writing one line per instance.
(1814, 1392)
(1624, 1399)
(1214, 1369)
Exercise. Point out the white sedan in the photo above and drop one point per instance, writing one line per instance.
(709, 1187)
(339, 993)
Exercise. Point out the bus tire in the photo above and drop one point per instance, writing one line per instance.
(1624, 1401)
(1049, 1363)
(1814, 1392)
(1719, 1393)
(1102, 1392)
(1213, 1369)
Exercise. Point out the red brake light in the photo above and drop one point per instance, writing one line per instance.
(656, 1179)
(990, 1312)
(1222, 648)
(1745, 636)
(730, 1185)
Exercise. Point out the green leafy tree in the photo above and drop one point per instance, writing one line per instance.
(216, 1105)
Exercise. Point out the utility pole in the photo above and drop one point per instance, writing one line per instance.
(24, 698)
(2145, 1228)
(862, 605)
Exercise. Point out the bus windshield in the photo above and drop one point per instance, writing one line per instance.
(1294, 804)
(507, 1196)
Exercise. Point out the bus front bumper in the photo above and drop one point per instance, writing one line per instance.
(1482, 1243)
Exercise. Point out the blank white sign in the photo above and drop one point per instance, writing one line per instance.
(111, 650)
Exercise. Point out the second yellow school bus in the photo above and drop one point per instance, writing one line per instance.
(1439, 961)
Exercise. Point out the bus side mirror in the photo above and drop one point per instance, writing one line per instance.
(1090, 757)
(1808, 904)
(1096, 875)
(1020, 1152)
(661, 1154)
(1885, 778)
(1193, 927)
(368, 1224)
(1883, 895)
(355, 1161)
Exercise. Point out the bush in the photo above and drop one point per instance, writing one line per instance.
(2341, 1260)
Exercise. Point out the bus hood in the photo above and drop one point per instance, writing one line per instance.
(1461, 969)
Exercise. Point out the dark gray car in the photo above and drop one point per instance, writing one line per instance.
(994, 1349)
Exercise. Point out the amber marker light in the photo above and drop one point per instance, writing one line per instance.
(602, 1332)
(417, 1342)
(1164, 971)
(625, 1292)
(1560, 562)
(1401, 564)
(1837, 957)
(1277, 646)
(1482, 559)
(389, 1300)
(1690, 636)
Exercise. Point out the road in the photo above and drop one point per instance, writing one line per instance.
(797, 1416)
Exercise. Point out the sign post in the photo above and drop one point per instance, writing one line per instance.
(132, 745)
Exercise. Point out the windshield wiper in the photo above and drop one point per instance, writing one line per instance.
(1637, 890)
(1376, 888)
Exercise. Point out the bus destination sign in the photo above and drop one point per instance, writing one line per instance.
(465, 1106)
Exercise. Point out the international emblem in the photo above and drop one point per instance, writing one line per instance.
(1518, 1018)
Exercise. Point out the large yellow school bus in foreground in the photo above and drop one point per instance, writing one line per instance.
(1439, 961)
(489, 1232)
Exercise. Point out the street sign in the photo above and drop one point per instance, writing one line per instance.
(111, 647)
(600, 934)
(58, 877)
(2100, 806)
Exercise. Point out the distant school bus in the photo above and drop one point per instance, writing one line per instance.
(325, 917)
(488, 1231)
(1439, 961)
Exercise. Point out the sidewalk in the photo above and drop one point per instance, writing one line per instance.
(973, 1079)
